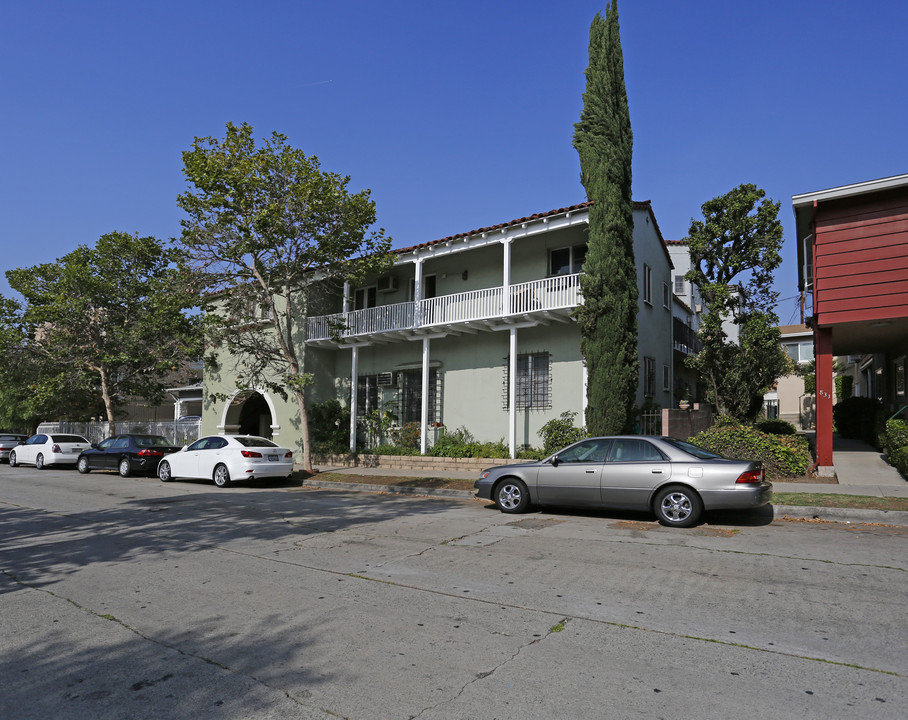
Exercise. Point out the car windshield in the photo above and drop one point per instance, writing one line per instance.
(68, 439)
(697, 452)
(254, 441)
(152, 441)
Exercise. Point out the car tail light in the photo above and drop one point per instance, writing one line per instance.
(56, 449)
(289, 455)
(251, 454)
(751, 476)
(149, 453)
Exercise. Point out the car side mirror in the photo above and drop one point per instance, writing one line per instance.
(555, 461)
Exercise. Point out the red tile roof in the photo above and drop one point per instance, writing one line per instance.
(638, 205)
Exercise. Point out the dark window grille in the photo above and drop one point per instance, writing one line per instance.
(533, 382)
(411, 396)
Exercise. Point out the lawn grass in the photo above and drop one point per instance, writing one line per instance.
(865, 502)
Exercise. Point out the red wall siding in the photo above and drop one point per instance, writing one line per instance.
(861, 259)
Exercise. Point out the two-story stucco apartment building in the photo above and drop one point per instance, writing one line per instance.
(471, 330)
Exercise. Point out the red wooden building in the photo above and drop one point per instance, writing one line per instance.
(853, 259)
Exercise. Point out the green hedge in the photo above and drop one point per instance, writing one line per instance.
(894, 437)
(783, 456)
(859, 417)
(776, 427)
(899, 460)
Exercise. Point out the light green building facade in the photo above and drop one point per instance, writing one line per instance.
(473, 330)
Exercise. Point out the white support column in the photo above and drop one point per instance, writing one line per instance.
(506, 279)
(424, 410)
(512, 394)
(354, 382)
(346, 296)
(417, 291)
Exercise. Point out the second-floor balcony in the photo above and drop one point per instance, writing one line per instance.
(491, 308)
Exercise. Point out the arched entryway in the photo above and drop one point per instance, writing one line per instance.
(249, 412)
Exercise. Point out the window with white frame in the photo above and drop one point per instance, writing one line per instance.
(365, 298)
(666, 297)
(533, 382)
(647, 285)
(567, 260)
(679, 284)
(799, 351)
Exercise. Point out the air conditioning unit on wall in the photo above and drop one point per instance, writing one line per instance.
(387, 378)
(387, 283)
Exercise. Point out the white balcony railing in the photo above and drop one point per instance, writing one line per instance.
(561, 292)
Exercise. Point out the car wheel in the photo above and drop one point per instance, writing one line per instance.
(124, 467)
(12, 460)
(83, 465)
(678, 506)
(221, 476)
(164, 471)
(512, 496)
(39, 462)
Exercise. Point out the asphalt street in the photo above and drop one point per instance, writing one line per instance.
(131, 598)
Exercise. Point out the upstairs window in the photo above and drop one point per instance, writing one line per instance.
(567, 261)
(365, 298)
(800, 352)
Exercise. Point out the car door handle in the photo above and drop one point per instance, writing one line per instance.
(656, 471)
(590, 472)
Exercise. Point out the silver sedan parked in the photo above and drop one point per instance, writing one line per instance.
(675, 480)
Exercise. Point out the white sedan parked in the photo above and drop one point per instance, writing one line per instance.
(225, 458)
(41, 450)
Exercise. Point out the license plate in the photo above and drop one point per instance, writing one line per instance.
(273, 458)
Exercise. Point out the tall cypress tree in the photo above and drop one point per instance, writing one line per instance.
(608, 315)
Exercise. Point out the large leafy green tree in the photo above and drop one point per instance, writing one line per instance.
(734, 252)
(112, 318)
(34, 387)
(608, 315)
(272, 231)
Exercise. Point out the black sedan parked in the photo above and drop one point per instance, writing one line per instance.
(131, 453)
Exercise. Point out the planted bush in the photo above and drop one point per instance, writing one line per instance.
(894, 437)
(329, 424)
(859, 417)
(899, 460)
(782, 455)
(560, 432)
(776, 427)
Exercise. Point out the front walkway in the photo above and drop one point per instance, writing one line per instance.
(860, 470)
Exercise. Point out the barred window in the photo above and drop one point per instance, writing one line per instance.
(532, 384)
(411, 396)
(366, 394)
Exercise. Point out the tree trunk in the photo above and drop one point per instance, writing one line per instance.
(108, 402)
(304, 429)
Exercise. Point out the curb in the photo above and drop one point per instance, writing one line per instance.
(845, 515)
(779, 512)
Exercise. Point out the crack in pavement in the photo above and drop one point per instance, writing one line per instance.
(507, 661)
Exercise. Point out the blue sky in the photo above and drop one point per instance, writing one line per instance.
(457, 115)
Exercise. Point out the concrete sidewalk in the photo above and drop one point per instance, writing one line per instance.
(860, 470)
